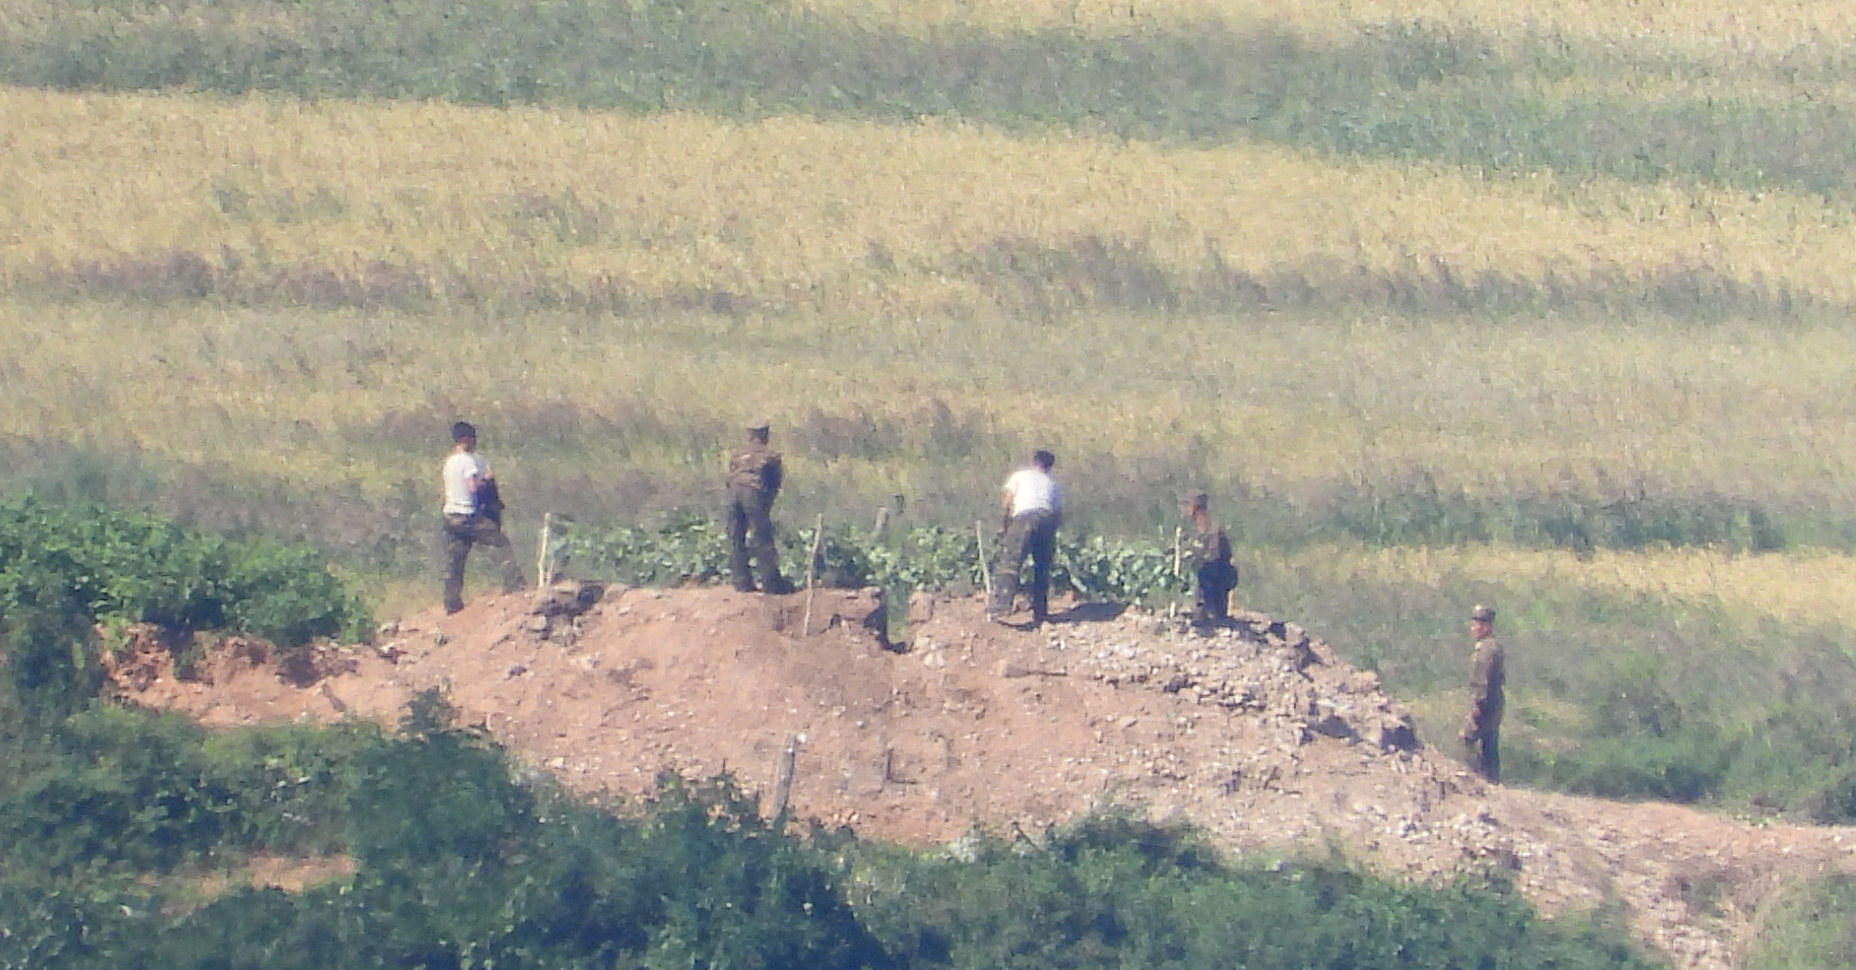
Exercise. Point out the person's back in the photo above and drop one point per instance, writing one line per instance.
(1032, 507)
(755, 471)
(1214, 576)
(753, 481)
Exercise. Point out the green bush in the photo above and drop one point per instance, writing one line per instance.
(123, 566)
(1120, 894)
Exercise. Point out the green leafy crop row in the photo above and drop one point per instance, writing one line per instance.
(694, 549)
(118, 566)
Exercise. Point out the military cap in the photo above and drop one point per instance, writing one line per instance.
(1482, 613)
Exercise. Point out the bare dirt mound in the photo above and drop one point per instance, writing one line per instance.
(1259, 734)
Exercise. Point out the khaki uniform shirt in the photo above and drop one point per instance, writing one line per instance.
(1208, 547)
(1486, 679)
(755, 470)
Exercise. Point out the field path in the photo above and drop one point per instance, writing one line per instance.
(1259, 734)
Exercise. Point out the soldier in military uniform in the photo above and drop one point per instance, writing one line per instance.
(1486, 678)
(753, 483)
(1210, 557)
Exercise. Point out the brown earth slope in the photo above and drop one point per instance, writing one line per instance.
(1259, 734)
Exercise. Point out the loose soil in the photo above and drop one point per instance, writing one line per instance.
(1256, 732)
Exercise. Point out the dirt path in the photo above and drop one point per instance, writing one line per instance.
(1259, 734)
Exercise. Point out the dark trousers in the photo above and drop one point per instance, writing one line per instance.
(1033, 535)
(750, 538)
(1215, 582)
(1480, 750)
(461, 533)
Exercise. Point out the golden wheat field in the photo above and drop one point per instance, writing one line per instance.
(843, 232)
(797, 214)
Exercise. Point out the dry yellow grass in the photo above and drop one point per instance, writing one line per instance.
(1813, 588)
(798, 214)
(789, 211)
(1280, 402)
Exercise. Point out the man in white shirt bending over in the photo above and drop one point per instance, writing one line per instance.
(473, 517)
(1032, 509)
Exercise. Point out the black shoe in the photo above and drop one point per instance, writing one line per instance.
(777, 587)
(744, 588)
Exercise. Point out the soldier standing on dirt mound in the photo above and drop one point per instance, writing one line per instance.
(1486, 678)
(1032, 509)
(473, 516)
(1211, 563)
(753, 483)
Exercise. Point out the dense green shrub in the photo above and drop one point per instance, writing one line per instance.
(1121, 894)
(123, 566)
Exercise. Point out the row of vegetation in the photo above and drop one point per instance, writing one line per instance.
(694, 549)
(119, 567)
(123, 839)
(1410, 88)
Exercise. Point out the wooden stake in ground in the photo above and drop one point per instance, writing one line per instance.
(542, 579)
(783, 780)
(979, 529)
(818, 535)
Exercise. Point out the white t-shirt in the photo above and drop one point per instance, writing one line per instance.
(460, 469)
(1033, 491)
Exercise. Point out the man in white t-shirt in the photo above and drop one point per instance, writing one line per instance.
(1032, 509)
(473, 517)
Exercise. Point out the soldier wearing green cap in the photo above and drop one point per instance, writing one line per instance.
(754, 476)
(1210, 558)
(1486, 679)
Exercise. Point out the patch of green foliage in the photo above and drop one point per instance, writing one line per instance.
(694, 549)
(1411, 509)
(1113, 892)
(1808, 928)
(120, 566)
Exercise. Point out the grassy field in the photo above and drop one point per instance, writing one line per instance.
(1540, 304)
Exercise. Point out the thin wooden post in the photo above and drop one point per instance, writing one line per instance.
(783, 780)
(1178, 538)
(818, 536)
(979, 530)
(542, 578)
